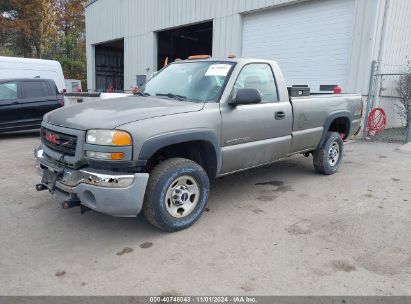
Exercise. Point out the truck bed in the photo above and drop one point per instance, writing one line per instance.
(311, 114)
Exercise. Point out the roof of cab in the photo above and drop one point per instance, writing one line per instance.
(24, 79)
(226, 59)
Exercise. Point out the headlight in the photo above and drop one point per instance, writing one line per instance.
(108, 138)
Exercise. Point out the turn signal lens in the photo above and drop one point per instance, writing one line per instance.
(117, 156)
(121, 138)
(105, 155)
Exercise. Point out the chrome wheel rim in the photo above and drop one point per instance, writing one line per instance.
(333, 154)
(182, 196)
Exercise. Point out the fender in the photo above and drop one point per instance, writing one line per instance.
(153, 144)
(330, 119)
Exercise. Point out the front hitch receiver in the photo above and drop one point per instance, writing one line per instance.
(70, 204)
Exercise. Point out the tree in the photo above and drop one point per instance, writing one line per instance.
(27, 26)
(9, 35)
(71, 24)
(49, 29)
(404, 91)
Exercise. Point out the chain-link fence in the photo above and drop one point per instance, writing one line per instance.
(383, 93)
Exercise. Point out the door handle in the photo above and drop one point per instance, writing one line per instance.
(279, 115)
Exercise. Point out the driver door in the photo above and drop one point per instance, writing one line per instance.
(255, 134)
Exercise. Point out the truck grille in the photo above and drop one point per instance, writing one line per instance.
(63, 143)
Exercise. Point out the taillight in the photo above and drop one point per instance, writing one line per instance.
(61, 101)
(337, 90)
(64, 91)
(360, 109)
(362, 105)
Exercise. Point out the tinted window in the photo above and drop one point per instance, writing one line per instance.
(258, 76)
(8, 90)
(46, 88)
(33, 89)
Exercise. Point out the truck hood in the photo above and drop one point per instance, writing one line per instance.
(111, 113)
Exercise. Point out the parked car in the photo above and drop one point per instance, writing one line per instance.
(195, 121)
(16, 67)
(23, 102)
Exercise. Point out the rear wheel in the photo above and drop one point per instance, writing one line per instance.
(328, 158)
(177, 193)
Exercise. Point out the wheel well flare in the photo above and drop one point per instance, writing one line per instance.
(201, 152)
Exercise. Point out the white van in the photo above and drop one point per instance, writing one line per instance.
(14, 67)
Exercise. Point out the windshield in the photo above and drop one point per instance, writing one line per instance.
(192, 81)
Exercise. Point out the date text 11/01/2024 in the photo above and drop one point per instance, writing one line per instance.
(203, 299)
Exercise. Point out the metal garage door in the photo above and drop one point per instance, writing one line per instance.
(311, 41)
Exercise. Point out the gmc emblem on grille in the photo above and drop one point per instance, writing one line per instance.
(54, 139)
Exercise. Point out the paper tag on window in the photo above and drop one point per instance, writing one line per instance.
(218, 70)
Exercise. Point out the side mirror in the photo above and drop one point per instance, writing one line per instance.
(246, 96)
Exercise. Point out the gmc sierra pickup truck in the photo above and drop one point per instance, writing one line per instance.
(194, 121)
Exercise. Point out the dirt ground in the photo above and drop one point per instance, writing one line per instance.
(278, 230)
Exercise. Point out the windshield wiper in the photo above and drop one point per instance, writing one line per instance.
(142, 94)
(174, 96)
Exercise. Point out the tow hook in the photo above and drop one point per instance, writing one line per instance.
(41, 187)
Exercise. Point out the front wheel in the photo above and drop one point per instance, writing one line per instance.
(328, 158)
(177, 193)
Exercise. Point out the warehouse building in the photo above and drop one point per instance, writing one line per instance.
(320, 43)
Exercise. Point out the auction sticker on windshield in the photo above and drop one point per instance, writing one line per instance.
(218, 70)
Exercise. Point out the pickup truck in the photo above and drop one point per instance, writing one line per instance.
(195, 121)
(24, 101)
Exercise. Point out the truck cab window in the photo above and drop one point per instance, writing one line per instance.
(8, 90)
(32, 89)
(258, 76)
(46, 89)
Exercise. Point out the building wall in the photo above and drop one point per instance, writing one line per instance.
(137, 22)
(394, 59)
(396, 47)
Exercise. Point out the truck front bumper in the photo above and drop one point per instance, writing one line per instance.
(116, 194)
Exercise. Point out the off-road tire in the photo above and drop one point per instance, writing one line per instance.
(161, 177)
(321, 157)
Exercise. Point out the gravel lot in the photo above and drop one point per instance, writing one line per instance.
(277, 230)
